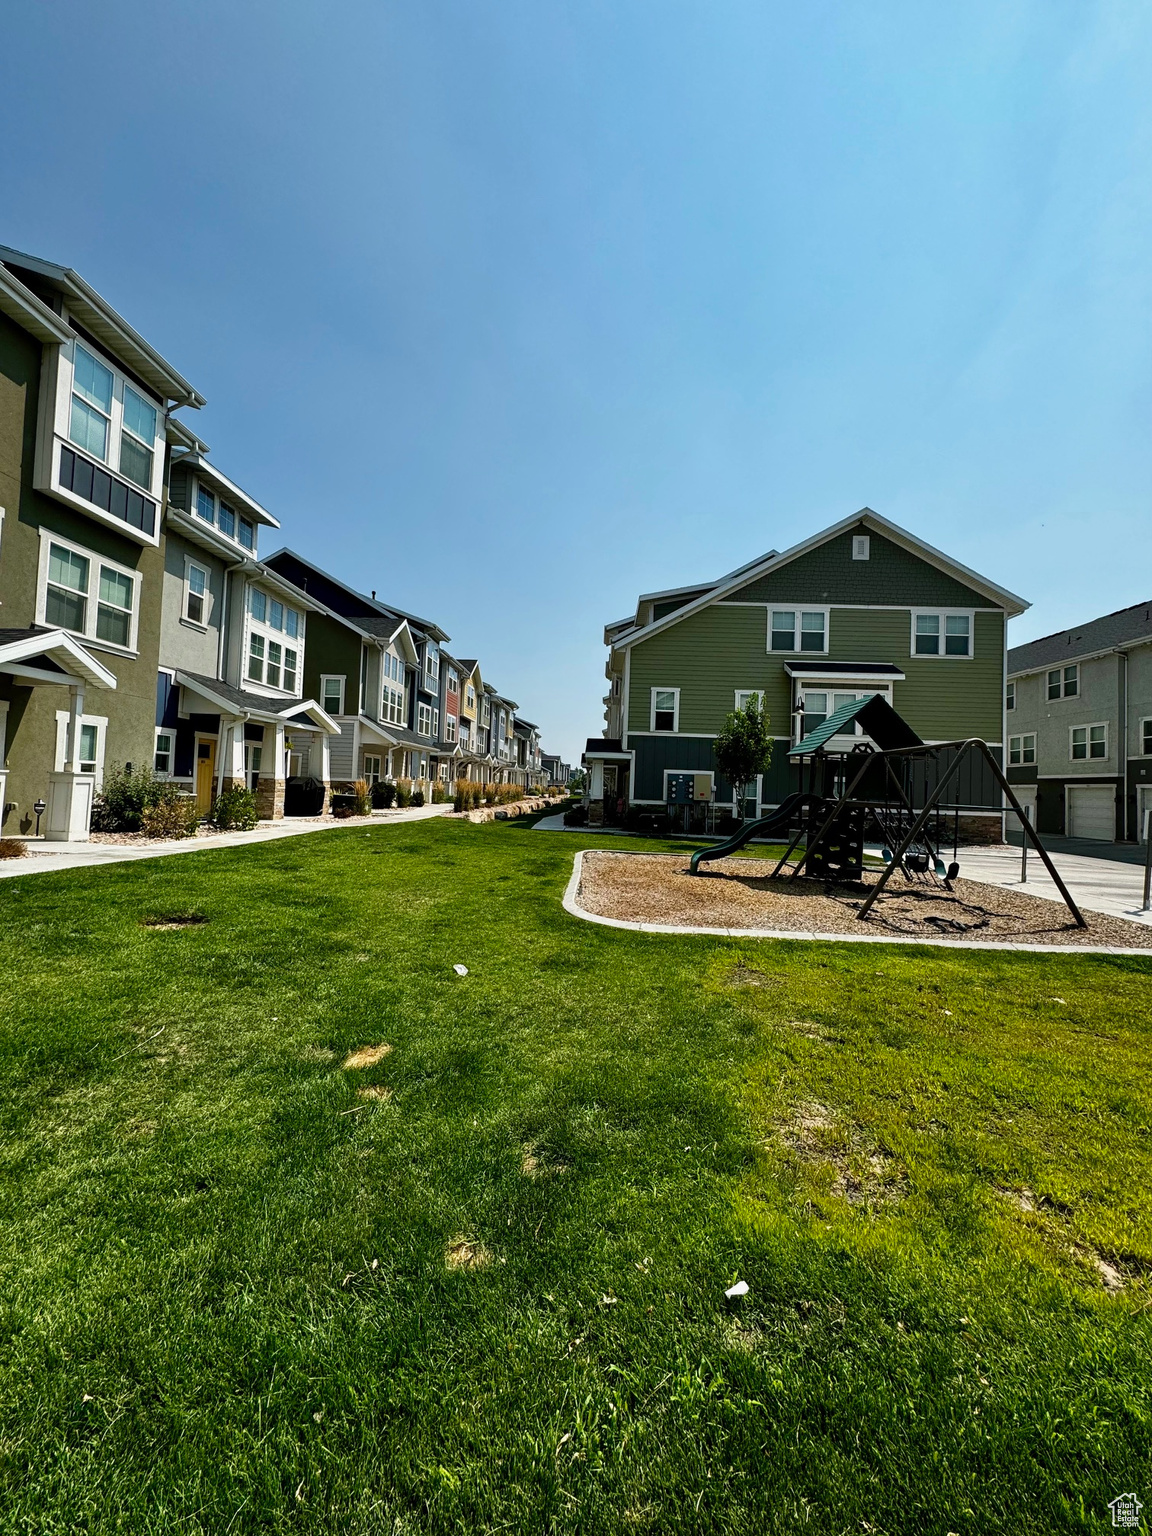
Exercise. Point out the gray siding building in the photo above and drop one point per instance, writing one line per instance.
(1079, 713)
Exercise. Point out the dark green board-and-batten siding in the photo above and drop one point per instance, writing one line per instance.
(722, 648)
(828, 574)
(693, 754)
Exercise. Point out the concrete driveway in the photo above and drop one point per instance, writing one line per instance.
(1097, 883)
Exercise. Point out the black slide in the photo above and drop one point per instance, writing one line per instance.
(776, 822)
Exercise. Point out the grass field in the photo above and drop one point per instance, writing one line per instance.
(241, 1294)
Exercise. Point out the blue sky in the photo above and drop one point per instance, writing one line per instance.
(512, 310)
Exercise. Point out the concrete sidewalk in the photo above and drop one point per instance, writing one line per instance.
(1114, 886)
(85, 855)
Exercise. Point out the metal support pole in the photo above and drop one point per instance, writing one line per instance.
(1029, 831)
(1147, 860)
(1024, 850)
(898, 853)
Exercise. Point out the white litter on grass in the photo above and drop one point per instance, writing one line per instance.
(461, 970)
(734, 1292)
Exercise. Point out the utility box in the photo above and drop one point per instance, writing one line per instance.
(689, 788)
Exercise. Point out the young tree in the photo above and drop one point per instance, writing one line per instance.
(743, 747)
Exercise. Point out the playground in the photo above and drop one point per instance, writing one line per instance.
(743, 894)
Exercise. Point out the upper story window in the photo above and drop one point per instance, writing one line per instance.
(1146, 739)
(271, 611)
(195, 593)
(485, 711)
(332, 694)
(217, 512)
(470, 697)
(1064, 682)
(743, 695)
(111, 421)
(424, 719)
(1088, 741)
(798, 629)
(1022, 750)
(665, 709)
(431, 667)
(1010, 696)
(80, 591)
(941, 634)
(272, 660)
(450, 728)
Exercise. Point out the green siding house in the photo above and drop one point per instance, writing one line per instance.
(863, 607)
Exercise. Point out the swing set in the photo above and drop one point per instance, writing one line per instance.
(865, 774)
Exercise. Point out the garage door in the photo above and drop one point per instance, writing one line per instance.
(1092, 812)
(1026, 794)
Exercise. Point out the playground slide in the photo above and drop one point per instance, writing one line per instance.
(776, 822)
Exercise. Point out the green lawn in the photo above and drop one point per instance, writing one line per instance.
(227, 1304)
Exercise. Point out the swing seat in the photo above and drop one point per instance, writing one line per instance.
(938, 868)
(886, 855)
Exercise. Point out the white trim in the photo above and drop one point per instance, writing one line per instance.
(944, 614)
(861, 547)
(798, 610)
(1142, 750)
(1022, 737)
(747, 693)
(3, 742)
(17, 652)
(675, 692)
(1089, 755)
(1061, 671)
(170, 732)
(92, 596)
(205, 596)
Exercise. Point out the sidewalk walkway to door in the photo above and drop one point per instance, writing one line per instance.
(85, 855)
(1115, 886)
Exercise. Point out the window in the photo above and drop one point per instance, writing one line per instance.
(91, 417)
(1021, 750)
(332, 694)
(227, 521)
(195, 594)
(371, 771)
(257, 605)
(436, 722)
(256, 658)
(87, 595)
(93, 733)
(289, 669)
(424, 719)
(275, 614)
(449, 728)
(470, 697)
(453, 685)
(247, 533)
(941, 634)
(1064, 682)
(392, 705)
(1146, 737)
(431, 667)
(814, 709)
(291, 622)
(485, 712)
(860, 546)
(137, 438)
(272, 671)
(162, 761)
(744, 694)
(205, 504)
(253, 757)
(1010, 696)
(799, 630)
(1088, 742)
(665, 709)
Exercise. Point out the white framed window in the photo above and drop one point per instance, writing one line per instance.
(941, 632)
(257, 646)
(217, 512)
(1022, 750)
(1010, 696)
(798, 629)
(196, 582)
(392, 690)
(424, 719)
(1064, 682)
(431, 667)
(665, 714)
(253, 757)
(436, 722)
(111, 421)
(332, 693)
(470, 697)
(1146, 737)
(92, 597)
(860, 546)
(371, 771)
(1088, 743)
(163, 754)
(449, 728)
(485, 711)
(743, 695)
(93, 739)
(271, 660)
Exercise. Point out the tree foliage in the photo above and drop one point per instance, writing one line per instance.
(743, 747)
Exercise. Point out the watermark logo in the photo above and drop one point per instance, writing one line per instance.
(1126, 1509)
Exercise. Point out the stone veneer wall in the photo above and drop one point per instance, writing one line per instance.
(269, 798)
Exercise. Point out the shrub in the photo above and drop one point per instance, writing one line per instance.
(576, 816)
(235, 810)
(172, 816)
(403, 792)
(123, 799)
(383, 794)
(439, 794)
(12, 848)
(417, 797)
(362, 797)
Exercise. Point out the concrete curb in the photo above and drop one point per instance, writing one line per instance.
(572, 906)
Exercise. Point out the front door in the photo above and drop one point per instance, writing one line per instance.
(205, 773)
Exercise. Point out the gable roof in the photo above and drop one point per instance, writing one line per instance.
(886, 728)
(999, 596)
(1125, 626)
(368, 607)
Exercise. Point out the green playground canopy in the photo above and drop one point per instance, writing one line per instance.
(877, 718)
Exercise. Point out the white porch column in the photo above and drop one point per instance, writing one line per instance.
(70, 792)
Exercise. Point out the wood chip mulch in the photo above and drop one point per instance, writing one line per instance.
(739, 893)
